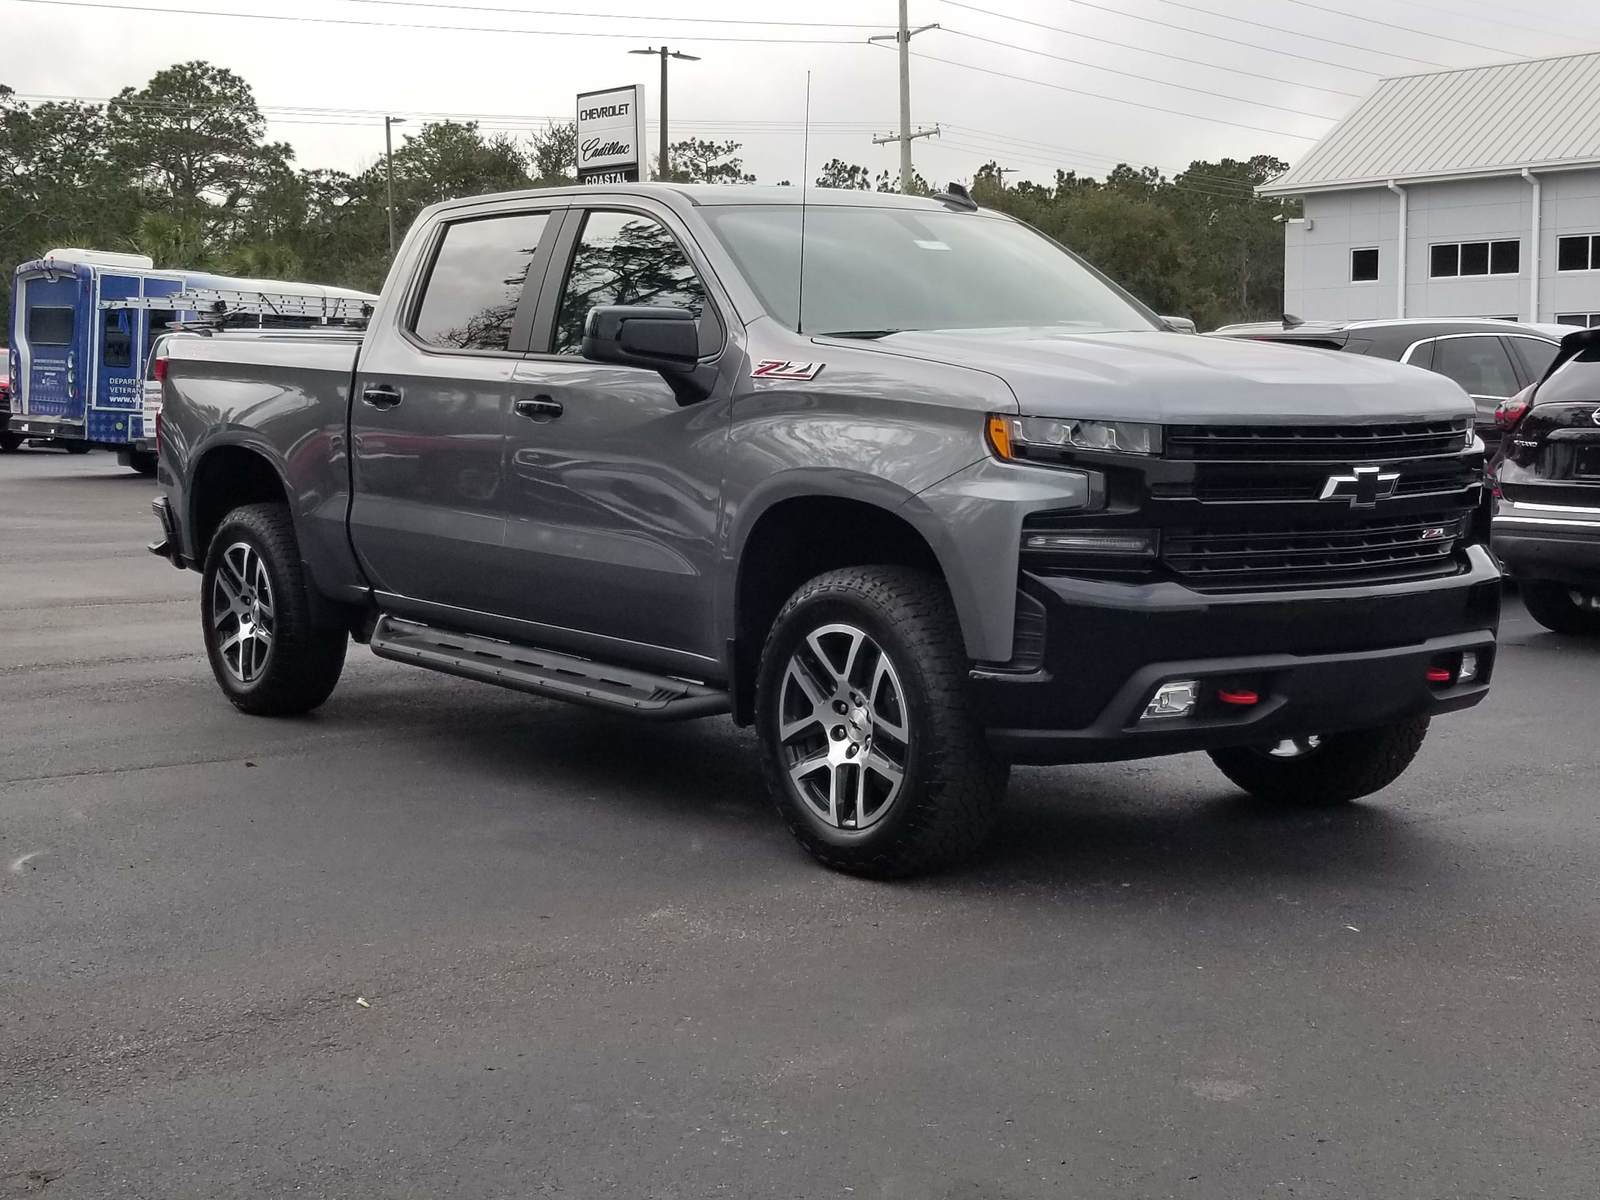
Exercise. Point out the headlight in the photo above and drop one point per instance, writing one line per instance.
(1018, 439)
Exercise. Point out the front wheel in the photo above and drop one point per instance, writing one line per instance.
(868, 739)
(10, 442)
(1327, 769)
(268, 656)
(74, 446)
(1556, 607)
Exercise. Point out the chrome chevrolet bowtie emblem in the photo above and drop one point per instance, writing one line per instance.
(1362, 488)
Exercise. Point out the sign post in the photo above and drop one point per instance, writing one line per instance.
(611, 135)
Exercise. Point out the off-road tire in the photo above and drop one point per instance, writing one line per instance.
(1551, 605)
(1344, 767)
(952, 785)
(305, 660)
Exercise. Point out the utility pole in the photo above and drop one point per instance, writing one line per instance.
(388, 167)
(902, 39)
(1002, 172)
(664, 166)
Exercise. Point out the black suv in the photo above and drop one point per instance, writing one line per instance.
(1547, 520)
(1491, 360)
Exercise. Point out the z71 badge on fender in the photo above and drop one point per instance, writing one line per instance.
(776, 368)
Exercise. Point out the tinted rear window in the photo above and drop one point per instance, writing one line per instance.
(1578, 379)
(473, 290)
(51, 326)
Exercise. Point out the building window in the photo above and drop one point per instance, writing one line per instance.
(1580, 253)
(1364, 265)
(1447, 260)
(1581, 320)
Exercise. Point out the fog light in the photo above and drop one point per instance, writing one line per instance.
(1176, 699)
(1469, 667)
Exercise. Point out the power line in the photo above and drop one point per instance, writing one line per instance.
(1190, 61)
(1349, 16)
(1315, 37)
(1175, 112)
(1299, 112)
(588, 33)
(1193, 32)
(611, 16)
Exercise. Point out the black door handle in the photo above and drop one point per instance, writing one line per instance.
(381, 396)
(540, 408)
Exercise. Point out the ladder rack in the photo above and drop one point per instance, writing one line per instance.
(225, 302)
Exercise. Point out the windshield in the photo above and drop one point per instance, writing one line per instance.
(872, 271)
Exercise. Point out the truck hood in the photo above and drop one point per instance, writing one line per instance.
(1174, 378)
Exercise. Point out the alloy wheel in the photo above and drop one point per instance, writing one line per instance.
(242, 614)
(844, 727)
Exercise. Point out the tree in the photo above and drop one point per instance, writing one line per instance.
(839, 174)
(700, 161)
(191, 140)
(554, 154)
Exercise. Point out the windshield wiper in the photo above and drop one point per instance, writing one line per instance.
(864, 334)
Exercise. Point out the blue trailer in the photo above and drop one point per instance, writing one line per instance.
(83, 322)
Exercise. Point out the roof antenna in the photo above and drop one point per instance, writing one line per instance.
(805, 179)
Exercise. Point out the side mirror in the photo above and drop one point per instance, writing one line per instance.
(1179, 325)
(661, 339)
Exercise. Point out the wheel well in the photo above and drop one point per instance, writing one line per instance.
(796, 540)
(225, 479)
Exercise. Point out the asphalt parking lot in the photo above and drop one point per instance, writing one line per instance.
(592, 963)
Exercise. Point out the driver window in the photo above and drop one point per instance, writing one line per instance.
(623, 258)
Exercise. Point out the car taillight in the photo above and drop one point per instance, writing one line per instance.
(158, 431)
(1508, 413)
(159, 369)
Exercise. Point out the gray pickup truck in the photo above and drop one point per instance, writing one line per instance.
(901, 482)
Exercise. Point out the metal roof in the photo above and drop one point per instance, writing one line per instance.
(1538, 113)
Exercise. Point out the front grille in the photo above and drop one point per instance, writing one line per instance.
(1224, 558)
(1249, 483)
(1317, 443)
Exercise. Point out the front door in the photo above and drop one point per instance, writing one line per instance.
(115, 400)
(614, 487)
(428, 418)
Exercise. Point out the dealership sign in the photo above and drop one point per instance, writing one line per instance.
(611, 135)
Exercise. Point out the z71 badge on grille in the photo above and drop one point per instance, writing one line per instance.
(776, 368)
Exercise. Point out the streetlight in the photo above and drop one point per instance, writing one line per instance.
(388, 165)
(666, 167)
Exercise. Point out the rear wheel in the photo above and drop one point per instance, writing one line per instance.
(10, 441)
(1325, 769)
(868, 739)
(142, 461)
(74, 446)
(266, 653)
(1557, 608)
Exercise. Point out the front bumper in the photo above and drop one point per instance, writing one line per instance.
(1319, 661)
(1558, 542)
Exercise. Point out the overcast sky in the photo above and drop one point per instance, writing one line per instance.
(325, 84)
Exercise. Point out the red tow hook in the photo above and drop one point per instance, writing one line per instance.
(1239, 699)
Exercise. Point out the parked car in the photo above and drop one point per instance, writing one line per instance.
(956, 502)
(1491, 360)
(8, 440)
(1547, 518)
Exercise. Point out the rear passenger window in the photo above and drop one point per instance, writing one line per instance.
(1536, 355)
(471, 297)
(117, 349)
(623, 258)
(1478, 364)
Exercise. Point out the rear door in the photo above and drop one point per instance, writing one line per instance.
(428, 418)
(51, 346)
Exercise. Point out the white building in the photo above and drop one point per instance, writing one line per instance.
(1472, 193)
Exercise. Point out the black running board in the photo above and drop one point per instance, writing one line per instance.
(545, 672)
